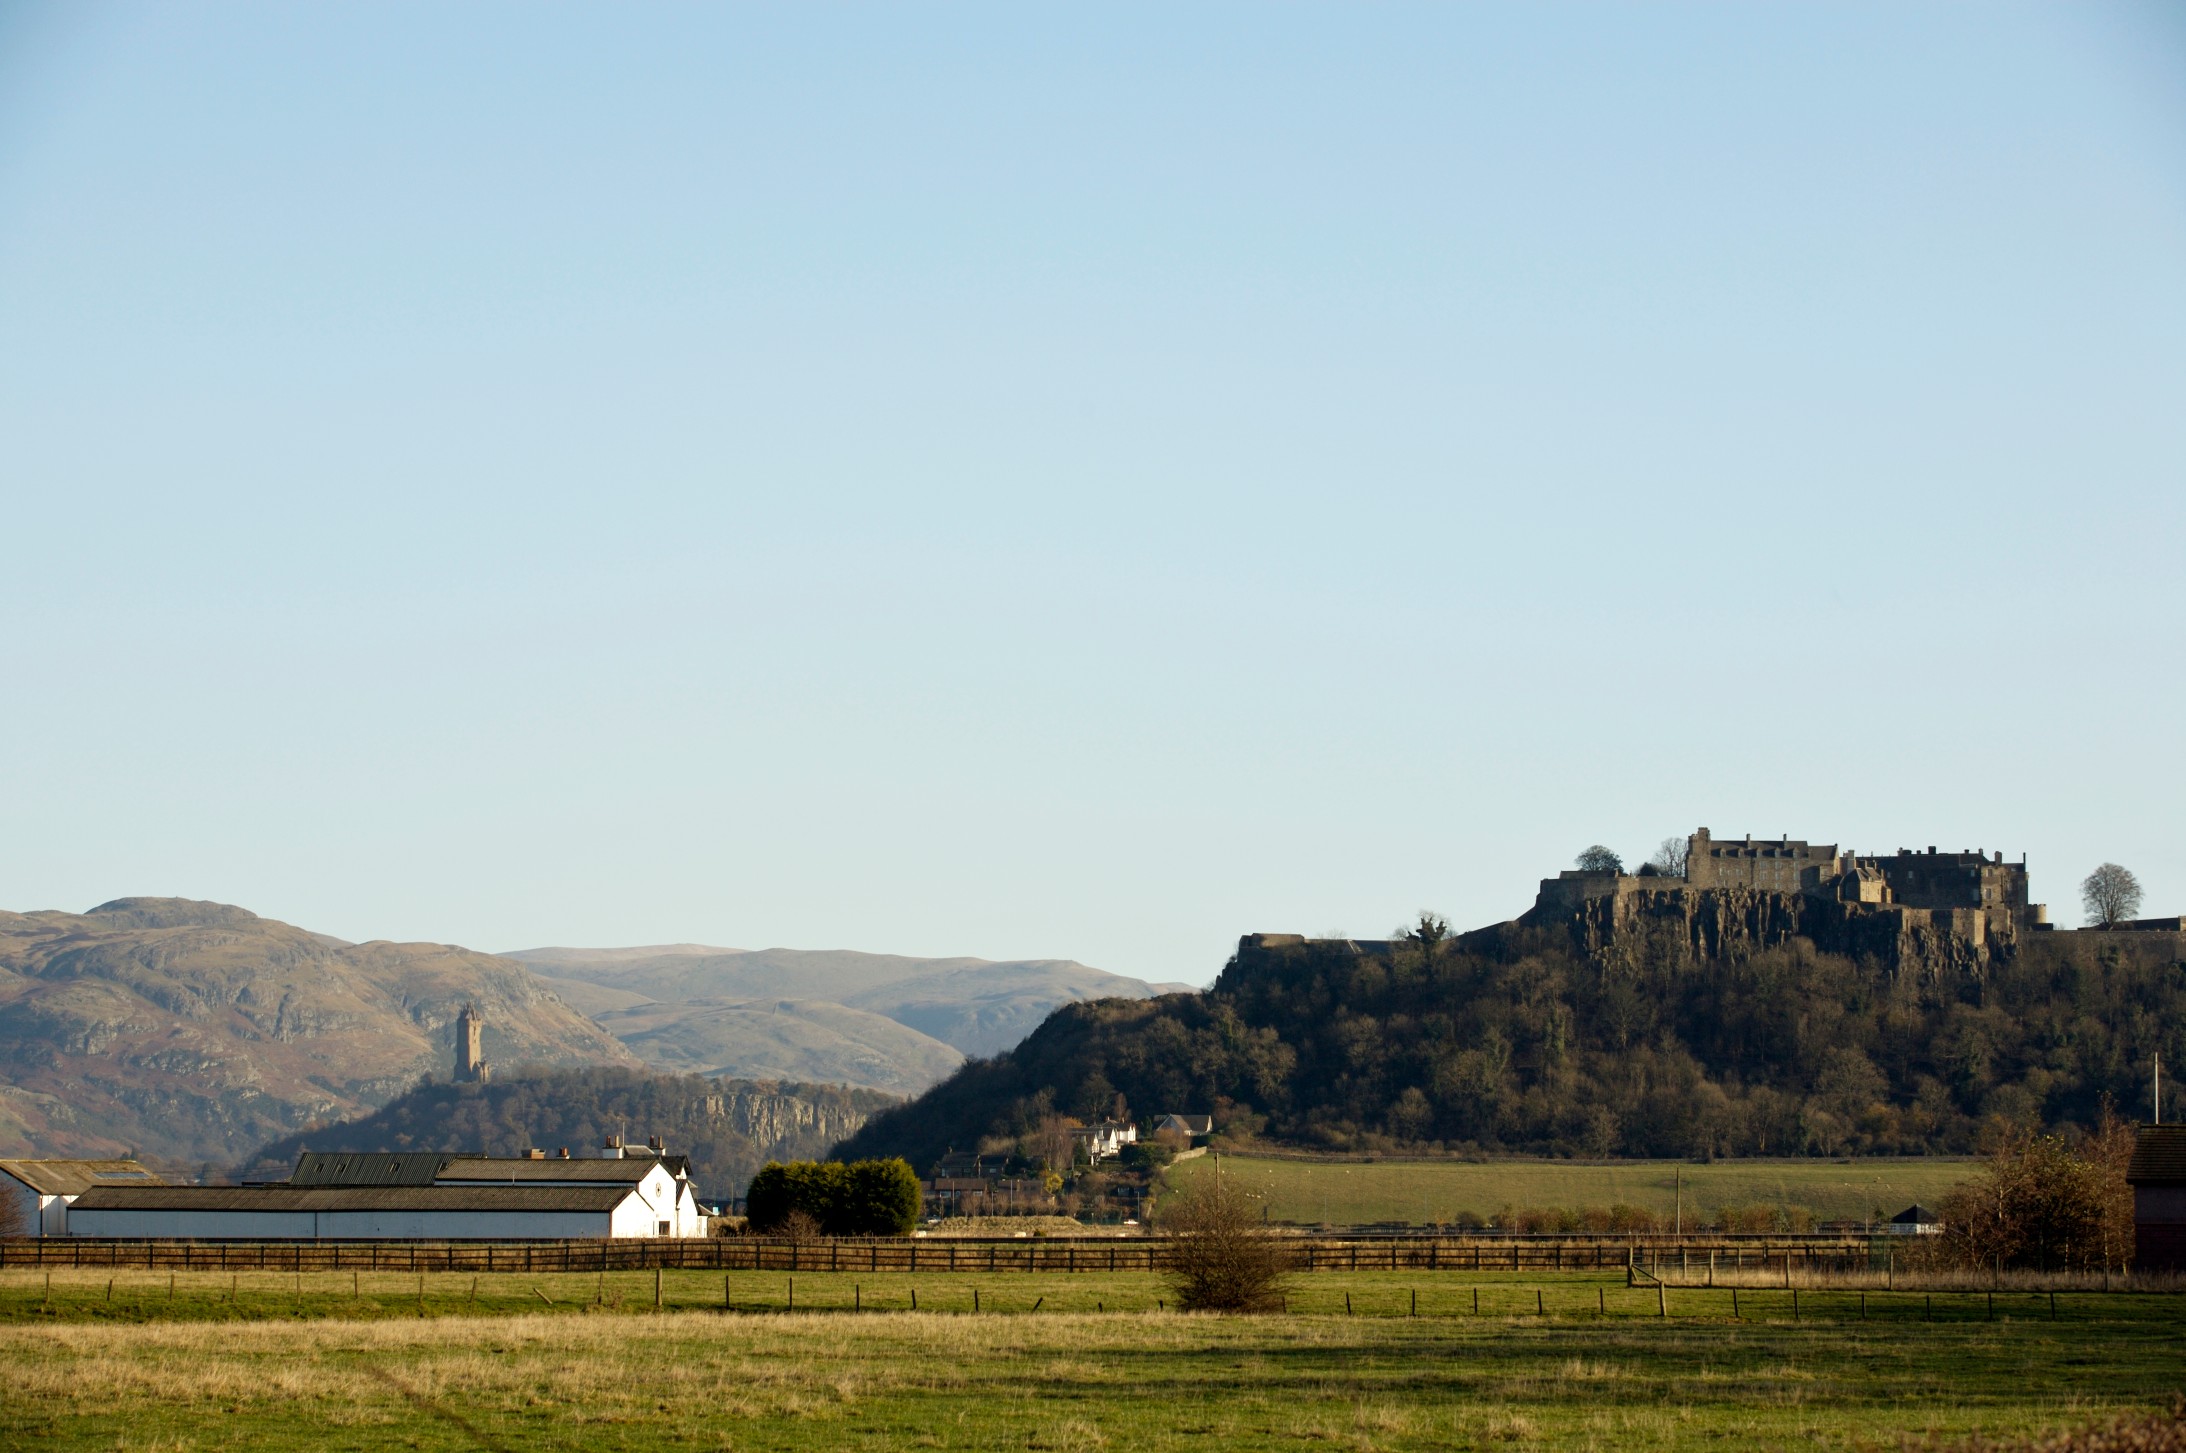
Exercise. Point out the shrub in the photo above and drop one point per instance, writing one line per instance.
(863, 1198)
(2041, 1203)
(1147, 1155)
(1220, 1258)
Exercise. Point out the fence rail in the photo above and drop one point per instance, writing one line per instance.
(944, 1255)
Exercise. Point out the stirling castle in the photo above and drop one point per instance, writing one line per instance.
(1926, 912)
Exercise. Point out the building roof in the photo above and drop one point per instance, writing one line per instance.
(353, 1198)
(368, 1167)
(1916, 1215)
(514, 1169)
(74, 1177)
(2159, 1156)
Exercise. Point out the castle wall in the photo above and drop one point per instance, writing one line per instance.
(1778, 865)
(1952, 880)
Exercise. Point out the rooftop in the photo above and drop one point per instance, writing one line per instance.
(353, 1198)
(2159, 1156)
(74, 1177)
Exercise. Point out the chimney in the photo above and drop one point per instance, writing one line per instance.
(562, 1154)
(535, 1155)
(653, 1144)
(611, 1149)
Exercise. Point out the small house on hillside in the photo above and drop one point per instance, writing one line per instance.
(39, 1192)
(1194, 1126)
(1103, 1140)
(2157, 1175)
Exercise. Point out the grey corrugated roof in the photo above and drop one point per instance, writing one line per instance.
(367, 1167)
(510, 1168)
(2159, 1156)
(353, 1198)
(73, 1177)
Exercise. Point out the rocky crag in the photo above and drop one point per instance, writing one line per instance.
(729, 1128)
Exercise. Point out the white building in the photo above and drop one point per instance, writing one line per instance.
(348, 1213)
(421, 1195)
(35, 1194)
(1103, 1140)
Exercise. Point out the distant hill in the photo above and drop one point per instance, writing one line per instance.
(688, 1006)
(729, 1128)
(782, 1039)
(189, 1033)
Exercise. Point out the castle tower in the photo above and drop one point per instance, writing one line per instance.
(470, 1063)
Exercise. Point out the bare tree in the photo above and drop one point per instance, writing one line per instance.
(1431, 929)
(1598, 859)
(1220, 1258)
(2111, 895)
(1050, 1142)
(1669, 858)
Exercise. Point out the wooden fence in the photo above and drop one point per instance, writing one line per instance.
(906, 1254)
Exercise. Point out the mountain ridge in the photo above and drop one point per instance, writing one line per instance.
(187, 1031)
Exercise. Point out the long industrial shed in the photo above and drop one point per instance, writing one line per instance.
(328, 1213)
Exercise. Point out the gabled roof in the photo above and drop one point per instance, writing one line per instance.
(74, 1177)
(523, 1170)
(353, 1198)
(2159, 1156)
(367, 1167)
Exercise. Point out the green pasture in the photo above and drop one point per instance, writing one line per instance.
(1349, 1193)
(1049, 1362)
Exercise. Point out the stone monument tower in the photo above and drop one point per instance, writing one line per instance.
(470, 1063)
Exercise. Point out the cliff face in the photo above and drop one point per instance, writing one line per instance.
(188, 1032)
(729, 1128)
(1733, 923)
(788, 1126)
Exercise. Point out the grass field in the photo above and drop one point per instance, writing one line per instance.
(1424, 1192)
(256, 1362)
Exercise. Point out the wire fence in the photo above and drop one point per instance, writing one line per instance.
(1795, 1256)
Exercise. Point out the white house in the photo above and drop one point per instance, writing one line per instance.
(1102, 1140)
(673, 1203)
(40, 1190)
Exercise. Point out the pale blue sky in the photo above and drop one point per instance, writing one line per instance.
(1078, 482)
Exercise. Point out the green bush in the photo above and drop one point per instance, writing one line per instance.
(1147, 1155)
(862, 1198)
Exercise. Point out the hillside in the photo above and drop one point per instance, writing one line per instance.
(688, 1006)
(782, 1039)
(729, 1128)
(1515, 1040)
(188, 1033)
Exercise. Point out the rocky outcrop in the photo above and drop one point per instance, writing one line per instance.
(729, 1128)
(1630, 916)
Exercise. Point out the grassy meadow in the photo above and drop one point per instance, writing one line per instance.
(1347, 1193)
(1049, 1362)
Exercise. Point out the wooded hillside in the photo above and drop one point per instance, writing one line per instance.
(1513, 1042)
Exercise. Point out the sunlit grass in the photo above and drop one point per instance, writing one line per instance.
(342, 1363)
